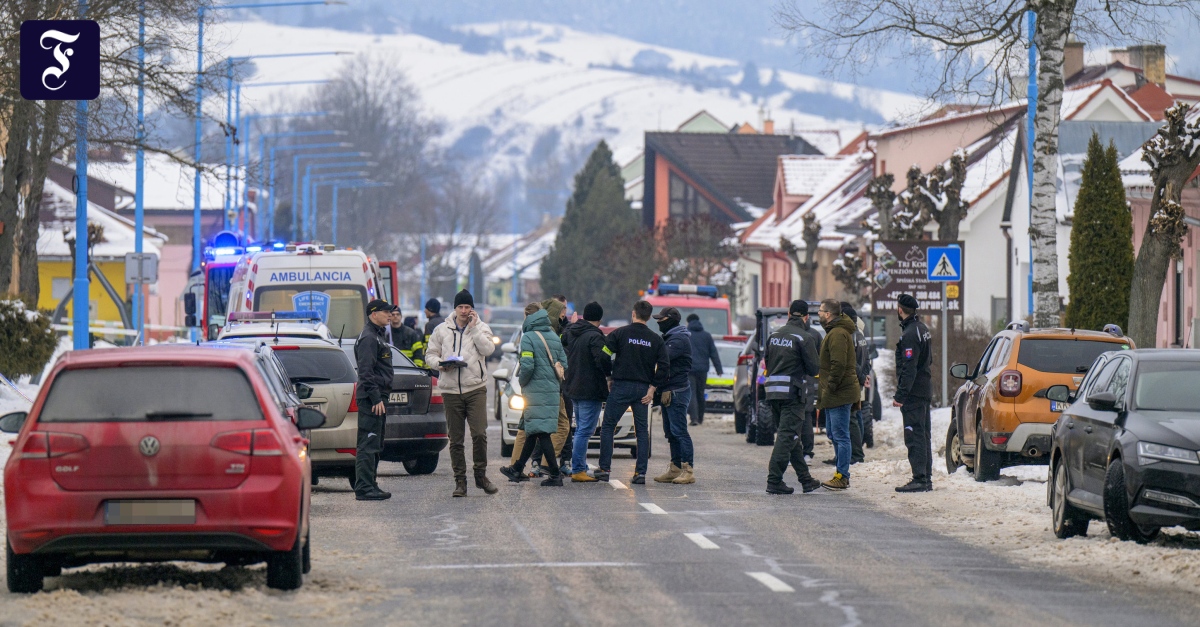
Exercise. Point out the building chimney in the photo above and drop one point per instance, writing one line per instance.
(768, 127)
(1072, 58)
(1152, 58)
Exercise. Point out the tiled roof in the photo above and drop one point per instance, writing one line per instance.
(733, 167)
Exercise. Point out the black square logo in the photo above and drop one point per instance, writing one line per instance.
(60, 60)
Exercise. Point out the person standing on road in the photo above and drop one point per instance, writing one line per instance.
(704, 350)
(838, 389)
(791, 363)
(676, 395)
(587, 382)
(862, 358)
(458, 347)
(542, 359)
(433, 317)
(914, 390)
(813, 346)
(373, 358)
(640, 365)
(406, 339)
(556, 310)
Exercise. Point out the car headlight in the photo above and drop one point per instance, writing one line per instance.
(517, 403)
(1150, 453)
(496, 340)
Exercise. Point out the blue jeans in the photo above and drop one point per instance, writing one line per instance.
(837, 424)
(625, 395)
(675, 425)
(587, 414)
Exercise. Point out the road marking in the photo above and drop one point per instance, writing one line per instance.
(652, 508)
(771, 582)
(701, 541)
(530, 564)
(617, 485)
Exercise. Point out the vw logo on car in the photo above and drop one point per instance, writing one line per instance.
(149, 446)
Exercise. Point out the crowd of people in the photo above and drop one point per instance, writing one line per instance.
(568, 366)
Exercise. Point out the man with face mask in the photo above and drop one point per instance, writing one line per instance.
(676, 395)
(913, 393)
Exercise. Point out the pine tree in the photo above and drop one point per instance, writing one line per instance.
(601, 252)
(1101, 253)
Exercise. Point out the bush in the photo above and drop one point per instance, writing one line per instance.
(26, 340)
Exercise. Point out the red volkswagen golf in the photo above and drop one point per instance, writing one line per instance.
(159, 453)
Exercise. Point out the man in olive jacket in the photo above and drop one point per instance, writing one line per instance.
(838, 388)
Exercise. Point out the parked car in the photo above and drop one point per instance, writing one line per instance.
(145, 454)
(1000, 415)
(278, 324)
(414, 432)
(511, 404)
(504, 322)
(718, 393)
(1125, 451)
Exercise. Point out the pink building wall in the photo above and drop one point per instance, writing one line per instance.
(1173, 323)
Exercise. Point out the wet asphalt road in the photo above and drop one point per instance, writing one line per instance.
(719, 552)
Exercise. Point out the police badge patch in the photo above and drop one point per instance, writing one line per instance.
(908, 353)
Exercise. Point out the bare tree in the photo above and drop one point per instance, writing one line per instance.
(807, 268)
(978, 47)
(1173, 154)
(879, 192)
(700, 250)
(851, 270)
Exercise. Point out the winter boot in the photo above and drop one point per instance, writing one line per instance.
(916, 486)
(460, 486)
(583, 477)
(513, 474)
(485, 484)
(779, 488)
(638, 479)
(838, 482)
(685, 476)
(809, 485)
(600, 474)
(669, 476)
(553, 480)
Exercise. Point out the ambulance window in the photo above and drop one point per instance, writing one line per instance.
(347, 305)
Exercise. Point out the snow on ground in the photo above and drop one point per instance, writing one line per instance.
(1010, 516)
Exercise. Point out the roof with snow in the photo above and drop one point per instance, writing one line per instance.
(804, 175)
(118, 231)
(838, 202)
(169, 184)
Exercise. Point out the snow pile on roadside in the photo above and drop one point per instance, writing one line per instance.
(1010, 515)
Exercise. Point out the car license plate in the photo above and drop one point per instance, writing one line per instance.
(1058, 406)
(182, 512)
(718, 395)
(398, 397)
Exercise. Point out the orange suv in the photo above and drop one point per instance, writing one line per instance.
(1000, 415)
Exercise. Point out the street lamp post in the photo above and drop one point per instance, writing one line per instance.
(352, 184)
(262, 175)
(271, 176)
(309, 207)
(249, 119)
(296, 182)
(139, 189)
(81, 288)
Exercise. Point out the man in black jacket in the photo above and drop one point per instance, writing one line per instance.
(586, 383)
(704, 350)
(374, 361)
(913, 394)
(640, 366)
(791, 365)
(676, 395)
(810, 406)
(433, 317)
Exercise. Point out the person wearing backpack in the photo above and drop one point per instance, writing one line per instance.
(543, 367)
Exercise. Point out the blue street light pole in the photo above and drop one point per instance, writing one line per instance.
(139, 293)
(310, 194)
(246, 123)
(81, 292)
(237, 119)
(296, 193)
(200, 11)
(1030, 112)
(262, 175)
(271, 184)
(352, 185)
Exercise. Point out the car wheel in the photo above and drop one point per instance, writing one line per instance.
(1066, 519)
(987, 463)
(306, 558)
(739, 422)
(285, 569)
(423, 465)
(953, 448)
(506, 450)
(765, 437)
(1116, 507)
(25, 572)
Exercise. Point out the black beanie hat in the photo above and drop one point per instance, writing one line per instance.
(593, 312)
(433, 305)
(798, 308)
(848, 309)
(463, 298)
(908, 302)
(692, 317)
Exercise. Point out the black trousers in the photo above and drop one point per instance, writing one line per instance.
(542, 444)
(789, 417)
(856, 436)
(806, 432)
(370, 445)
(917, 439)
(696, 409)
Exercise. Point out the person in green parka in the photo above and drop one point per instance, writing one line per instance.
(540, 386)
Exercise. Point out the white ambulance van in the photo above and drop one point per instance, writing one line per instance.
(336, 283)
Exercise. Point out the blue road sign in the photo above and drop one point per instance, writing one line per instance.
(944, 264)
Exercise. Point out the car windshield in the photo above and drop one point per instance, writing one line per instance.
(1062, 356)
(159, 392)
(729, 356)
(344, 312)
(316, 364)
(506, 316)
(715, 321)
(1168, 386)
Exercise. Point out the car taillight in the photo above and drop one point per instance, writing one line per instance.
(35, 447)
(66, 443)
(1010, 383)
(744, 360)
(435, 397)
(259, 442)
(354, 401)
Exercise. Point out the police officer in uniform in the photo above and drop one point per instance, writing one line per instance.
(374, 358)
(409, 340)
(791, 362)
(913, 394)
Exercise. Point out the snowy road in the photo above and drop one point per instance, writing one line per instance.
(719, 552)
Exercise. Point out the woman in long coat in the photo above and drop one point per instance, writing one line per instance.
(540, 386)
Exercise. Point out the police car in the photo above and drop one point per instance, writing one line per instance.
(277, 324)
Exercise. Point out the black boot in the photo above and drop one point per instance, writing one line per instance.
(779, 488)
(916, 486)
(553, 480)
(809, 484)
(513, 474)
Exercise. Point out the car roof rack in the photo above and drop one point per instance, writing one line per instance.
(1018, 325)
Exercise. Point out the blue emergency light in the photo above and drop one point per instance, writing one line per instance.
(254, 249)
(254, 316)
(681, 288)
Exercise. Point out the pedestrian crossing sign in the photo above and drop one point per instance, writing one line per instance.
(944, 264)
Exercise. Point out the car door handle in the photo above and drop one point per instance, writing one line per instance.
(1087, 429)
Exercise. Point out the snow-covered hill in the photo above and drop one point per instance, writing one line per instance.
(547, 92)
